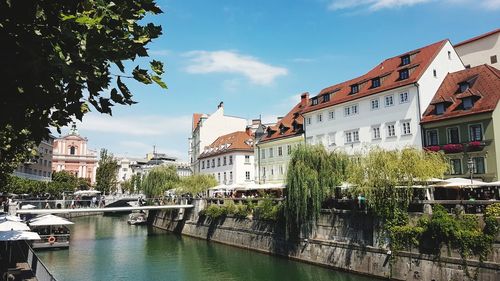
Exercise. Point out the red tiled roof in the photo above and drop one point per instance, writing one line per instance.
(236, 141)
(477, 37)
(387, 71)
(484, 86)
(196, 119)
(287, 122)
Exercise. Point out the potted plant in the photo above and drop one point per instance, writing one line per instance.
(434, 148)
(453, 148)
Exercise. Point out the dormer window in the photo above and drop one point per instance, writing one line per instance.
(464, 86)
(440, 108)
(314, 101)
(354, 88)
(326, 97)
(405, 60)
(375, 82)
(467, 103)
(404, 74)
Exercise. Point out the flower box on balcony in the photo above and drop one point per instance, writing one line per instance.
(434, 148)
(475, 145)
(453, 148)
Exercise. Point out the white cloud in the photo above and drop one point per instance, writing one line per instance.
(231, 85)
(233, 62)
(134, 146)
(375, 5)
(148, 125)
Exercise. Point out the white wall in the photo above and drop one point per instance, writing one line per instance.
(479, 51)
(239, 167)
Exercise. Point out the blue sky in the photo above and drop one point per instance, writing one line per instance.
(259, 56)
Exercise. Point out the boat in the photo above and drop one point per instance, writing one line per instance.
(137, 219)
(53, 232)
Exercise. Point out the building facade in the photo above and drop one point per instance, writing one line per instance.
(40, 167)
(382, 108)
(207, 128)
(483, 49)
(274, 149)
(463, 121)
(230, 158)
(71, 154)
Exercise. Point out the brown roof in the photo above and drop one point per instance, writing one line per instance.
(387, 71)
(196, 119)
(484, 88)
(477, 37)
(236, 141)
(285, 127)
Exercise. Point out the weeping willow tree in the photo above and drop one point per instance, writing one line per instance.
(385, 177)
(195, 184)
(158, 180)
(312, 175)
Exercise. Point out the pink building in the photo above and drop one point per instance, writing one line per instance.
(71, 154)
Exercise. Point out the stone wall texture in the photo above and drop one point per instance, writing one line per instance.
(342, 240)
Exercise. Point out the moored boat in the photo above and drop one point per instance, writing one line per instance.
(137, 219)
(53, 231)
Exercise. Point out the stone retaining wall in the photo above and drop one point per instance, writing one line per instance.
(342, 240)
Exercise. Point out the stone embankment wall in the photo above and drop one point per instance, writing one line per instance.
(342, 240)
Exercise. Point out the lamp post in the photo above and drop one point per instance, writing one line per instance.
(470, 165)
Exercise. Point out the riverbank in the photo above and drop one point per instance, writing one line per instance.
(342, 240)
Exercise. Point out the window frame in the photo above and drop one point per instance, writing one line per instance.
(404, 74)
(448, 135)
(470, 132)
(376, 132)
(427, 137)
(406, 99)
(331, 115)
(377, 84)
(452, 167)
(389, 126)
(372, 102)
(403, 132)
(476, 171)
(386, 98)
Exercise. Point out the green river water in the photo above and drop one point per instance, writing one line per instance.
(107, 248)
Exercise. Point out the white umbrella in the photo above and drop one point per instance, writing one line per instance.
(86, 192)
(9, 218)
(13, 225)
(15, 235)
(49, 220)
(28, 206)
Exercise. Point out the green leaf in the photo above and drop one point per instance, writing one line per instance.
(141, 75)
(157, 67)
(157, 80)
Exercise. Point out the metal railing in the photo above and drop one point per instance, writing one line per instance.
(37, 267)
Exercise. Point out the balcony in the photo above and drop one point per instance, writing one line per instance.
(459, 147)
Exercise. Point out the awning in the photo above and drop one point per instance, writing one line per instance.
(28, 207)
(459, 182)
(13, 225)
(5, 217)
(49, 220)
(87, 192)
(13, 235)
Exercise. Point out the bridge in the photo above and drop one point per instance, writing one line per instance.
(93, 210)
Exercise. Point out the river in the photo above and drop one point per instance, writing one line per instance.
(107, 248)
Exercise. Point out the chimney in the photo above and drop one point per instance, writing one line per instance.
(304, 99)
(248, 131)
(279, 119)
(255, 122)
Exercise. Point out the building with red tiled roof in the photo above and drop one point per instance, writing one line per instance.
(463, 120)
(382, 107)
(230, 158)
(273, 150)
(482, 49)
(208, 127)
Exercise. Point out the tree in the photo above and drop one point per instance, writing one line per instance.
(158, 180)
(106, 172)
(57, 62)
(195, 184)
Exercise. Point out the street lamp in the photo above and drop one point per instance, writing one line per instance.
(470, 165)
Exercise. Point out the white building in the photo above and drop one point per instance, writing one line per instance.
(273, 150)
(383, 107)
(207, 128)
(483, 49)
(230, 158)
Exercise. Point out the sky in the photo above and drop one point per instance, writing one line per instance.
(259, 56)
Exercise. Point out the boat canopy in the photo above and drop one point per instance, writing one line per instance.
(49, 220)
(15, 235)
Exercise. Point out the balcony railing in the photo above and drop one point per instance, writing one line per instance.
(459, 147)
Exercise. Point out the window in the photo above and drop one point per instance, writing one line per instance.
(348, 137)
(263, 154)
(320, 117)
(225, 179)
(289, 149)
(314, 101)
(280, 151)
(218, 177)
(432, 137)
(203, 164)
(464, 86)
(231, 176)
(391, 132)
(224, 161)
(331, 115)
(308, 120)
(376, 133)
(389, 100)
(476, 132)
(493, 59)
(271, 152)
(351, 110)
(375, 82)
(434, 72)
(406, 127)
(218, 162)
(319, 139)
(467, 103)
(326, 97)
(213, 163)
(331, 139)
(453, 135)
(264, 172)
(230, 159)
(404, 74)
(355, 136)
(374, 104)
(449, 55)
(455, 166)
(403, 97)
(354, 88)
(352, 136)
(309, 140)
(247, 159)
(439, 108)
(72, 150)
(479, 165)
(405, 60)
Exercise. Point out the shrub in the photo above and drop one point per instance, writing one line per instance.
(493, 210)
